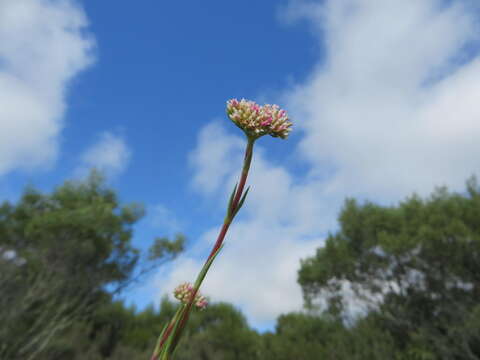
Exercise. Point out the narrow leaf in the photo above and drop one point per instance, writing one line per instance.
(240, 204)
(169, 345)
(157, 346)
(205, 268)
(229, 209)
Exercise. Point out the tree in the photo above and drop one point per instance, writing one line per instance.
(415, 267)
(305, 336)
(299, 336)
(119, 332)
(220, 332)
(61, 254)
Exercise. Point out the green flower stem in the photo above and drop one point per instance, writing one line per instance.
(165, 334)
(184, 316)
(232, 211)
(170, 337)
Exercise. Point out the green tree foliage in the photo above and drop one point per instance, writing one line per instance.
(305, 336)
(414, 267)
(121, 333)
(399, 282)
(59, 253)
(300, 336)
(220, 332)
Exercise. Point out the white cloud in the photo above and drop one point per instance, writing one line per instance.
(110, 154)
(256, 270)
(276, 227)
(160, 216)
(391, 108)
(43, 45)
(213, 161)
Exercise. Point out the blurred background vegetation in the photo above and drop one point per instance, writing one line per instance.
(395, 282)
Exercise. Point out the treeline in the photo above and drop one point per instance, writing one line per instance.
(395, 282)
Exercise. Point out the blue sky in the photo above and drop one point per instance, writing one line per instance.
(383, 98)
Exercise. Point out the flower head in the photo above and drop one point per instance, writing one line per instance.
(184, 292)
(256, 120)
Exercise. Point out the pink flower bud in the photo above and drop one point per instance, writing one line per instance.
(184, 293)
(267, 122)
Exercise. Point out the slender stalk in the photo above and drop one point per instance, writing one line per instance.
(185, 315)
(255, 121)
(165, 333)
(234, 206)
(238, 194)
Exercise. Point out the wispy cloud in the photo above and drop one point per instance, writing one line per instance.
(43, 45)
(110, 155)
(161, 217)
(391, 108)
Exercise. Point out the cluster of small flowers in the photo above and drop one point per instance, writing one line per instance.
(258, 120)
(184, 292)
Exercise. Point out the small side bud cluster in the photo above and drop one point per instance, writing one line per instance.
(184, 292)
(256, 120)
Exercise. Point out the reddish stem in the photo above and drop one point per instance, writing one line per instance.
(164, 338)
(238, 194)
(221, 236)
